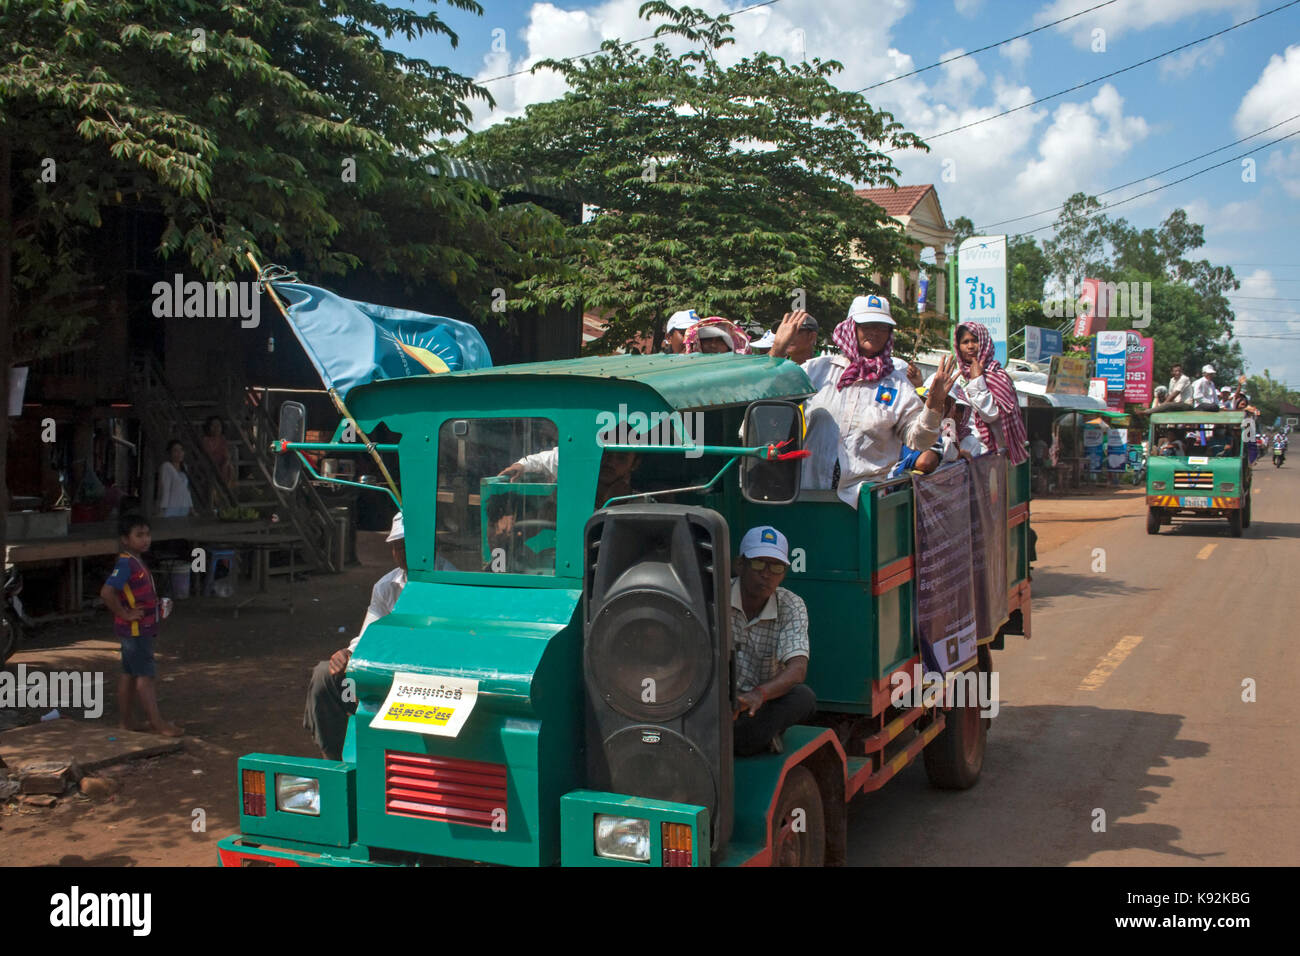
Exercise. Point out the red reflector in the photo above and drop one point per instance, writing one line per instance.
(442, 788)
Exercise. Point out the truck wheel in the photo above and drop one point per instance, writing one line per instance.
(799, 824)
(954, 759)
(1153, 521)
(1245, 513)
(1234, 523)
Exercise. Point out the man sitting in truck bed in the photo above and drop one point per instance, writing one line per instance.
(769, 627)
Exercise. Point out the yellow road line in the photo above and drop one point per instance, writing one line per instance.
(1205, 551)
(1110, 662)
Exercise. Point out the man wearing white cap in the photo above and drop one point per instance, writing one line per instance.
(327, 711)
(1203, 390)
(675, 333)
(769, 629)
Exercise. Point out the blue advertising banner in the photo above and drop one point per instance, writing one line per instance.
(1112, 359)
(1041, 344)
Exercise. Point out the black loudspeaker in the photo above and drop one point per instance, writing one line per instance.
(657, 656)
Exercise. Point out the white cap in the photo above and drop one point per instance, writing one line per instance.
(398, 532)
(765, 342)
(714, 332)
(1207, 370)
(682, 320)
(765, 542)
(871, 308)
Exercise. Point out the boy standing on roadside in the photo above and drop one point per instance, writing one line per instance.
(129, 593)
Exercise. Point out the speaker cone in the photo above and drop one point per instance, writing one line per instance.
(660, 764)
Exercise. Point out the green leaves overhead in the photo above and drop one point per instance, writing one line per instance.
(283, 127)
(726, 189)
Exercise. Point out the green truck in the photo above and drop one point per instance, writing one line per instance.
(502, 707)
(1198, 466)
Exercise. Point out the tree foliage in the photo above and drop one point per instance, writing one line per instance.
(724, 189)
(284, 127)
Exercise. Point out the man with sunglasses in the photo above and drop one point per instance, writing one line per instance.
(769, 631)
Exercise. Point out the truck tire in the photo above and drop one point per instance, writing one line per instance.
(1234, 523)
(799, 823)
(954, 759)
(1245, 512)
(1153, 521)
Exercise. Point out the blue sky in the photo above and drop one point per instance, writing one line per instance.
(1122, 129)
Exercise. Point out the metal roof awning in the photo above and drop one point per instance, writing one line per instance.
(1031, 389)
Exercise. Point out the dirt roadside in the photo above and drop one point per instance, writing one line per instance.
(238, 686)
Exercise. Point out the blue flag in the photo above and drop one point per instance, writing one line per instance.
(352, 343)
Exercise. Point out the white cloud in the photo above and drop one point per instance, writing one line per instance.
(1182, 65)
(1083, 142)
(1274, 96)
(1017, 51)
(1284, 166)
(967, 8)
(1120, 18)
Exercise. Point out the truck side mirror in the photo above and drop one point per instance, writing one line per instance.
(293, 426)
(772, 423)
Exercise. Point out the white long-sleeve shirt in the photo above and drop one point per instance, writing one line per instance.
(382, 598)
(862, 427)
(981, 401)
(173, 491)
(545, 462)
(1204, 392)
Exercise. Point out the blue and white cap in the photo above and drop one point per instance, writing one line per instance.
(682, 320)
(871, 308)
(765, 542)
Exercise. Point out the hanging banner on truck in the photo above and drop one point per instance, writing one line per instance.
(945, 592)
(427, 704)
(988, 513)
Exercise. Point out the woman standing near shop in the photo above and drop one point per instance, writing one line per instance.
(986, 386)
(174, 499)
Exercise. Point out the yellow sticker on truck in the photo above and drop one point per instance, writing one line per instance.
(432, 704)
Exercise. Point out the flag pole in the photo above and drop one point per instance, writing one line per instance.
(333, 392)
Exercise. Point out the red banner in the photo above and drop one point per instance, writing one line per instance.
(1139, 374)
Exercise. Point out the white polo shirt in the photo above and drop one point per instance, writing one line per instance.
(382, 598)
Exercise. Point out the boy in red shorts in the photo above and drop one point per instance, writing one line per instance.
(129, 593)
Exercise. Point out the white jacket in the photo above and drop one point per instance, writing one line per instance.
(862, 426)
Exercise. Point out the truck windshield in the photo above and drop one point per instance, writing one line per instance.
(496, 495)
(1211, 441)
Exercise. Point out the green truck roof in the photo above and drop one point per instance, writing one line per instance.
(1198, 418)
(684, 382)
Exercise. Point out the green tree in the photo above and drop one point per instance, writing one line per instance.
(962, 229)
(283, 127)
(725, 189)
(1077, 250)
(1267, 394)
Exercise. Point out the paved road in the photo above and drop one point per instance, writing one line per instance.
(1129, 699)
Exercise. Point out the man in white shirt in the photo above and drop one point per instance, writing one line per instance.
(1203, 391)
(1180, 386)
(675, 333)
(769, 630)
(327, 712)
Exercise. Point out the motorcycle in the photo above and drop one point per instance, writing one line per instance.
(12, 616)
(1279, 456)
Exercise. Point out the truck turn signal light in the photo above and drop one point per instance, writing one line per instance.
(254, 793)
(676, 844)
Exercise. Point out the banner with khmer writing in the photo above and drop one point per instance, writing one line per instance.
(945, 594)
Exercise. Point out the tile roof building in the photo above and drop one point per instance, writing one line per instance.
(917, 211)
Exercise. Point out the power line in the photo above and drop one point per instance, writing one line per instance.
(653, 36)
(949, 59)
(1106, 76)
(1141, 179)
(1259, 298)
(1183, 179)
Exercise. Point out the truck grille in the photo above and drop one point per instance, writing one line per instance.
(1194, 480)
(443, 788)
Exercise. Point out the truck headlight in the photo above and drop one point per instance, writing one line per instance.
(294, 794)
(1227, 485)
(1158, 485)
(622, 838)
